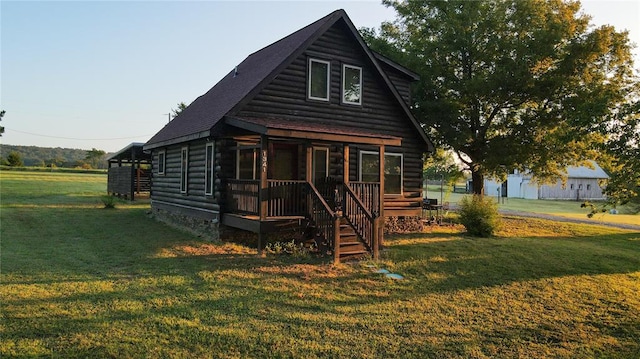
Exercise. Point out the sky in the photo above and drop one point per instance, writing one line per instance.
(103, 74)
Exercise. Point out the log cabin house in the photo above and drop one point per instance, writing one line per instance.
(314, 128)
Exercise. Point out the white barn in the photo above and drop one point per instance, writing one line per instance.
(583, 183)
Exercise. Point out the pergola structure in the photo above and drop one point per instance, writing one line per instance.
(129, 172)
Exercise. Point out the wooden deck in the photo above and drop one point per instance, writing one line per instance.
(253, 223)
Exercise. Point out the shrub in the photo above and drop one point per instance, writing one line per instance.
(109, 201)
(479, 215)
(291, 248)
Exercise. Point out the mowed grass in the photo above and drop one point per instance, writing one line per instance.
(562, 208)
(82, 281)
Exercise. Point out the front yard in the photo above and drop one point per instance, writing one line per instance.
(82, 281)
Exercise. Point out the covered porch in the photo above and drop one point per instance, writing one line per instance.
(287, 175)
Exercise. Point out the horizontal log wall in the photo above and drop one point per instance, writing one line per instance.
(286, 98)
(165, 189)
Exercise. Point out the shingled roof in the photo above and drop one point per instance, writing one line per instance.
(249, 77)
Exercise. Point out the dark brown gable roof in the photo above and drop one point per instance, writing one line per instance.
(201, 115)
(258, 69)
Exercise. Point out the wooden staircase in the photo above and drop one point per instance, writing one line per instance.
(350, 246)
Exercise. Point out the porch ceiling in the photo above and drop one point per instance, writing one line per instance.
(311, 131)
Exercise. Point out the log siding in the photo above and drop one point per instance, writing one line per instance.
(166, 188)
(286, 97)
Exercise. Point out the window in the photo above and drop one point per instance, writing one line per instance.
(588, 187)
(209, 168)
(370, 169)
(351, 85)
(318, 81)
(161, 162)
(184, 168)
(247, 163)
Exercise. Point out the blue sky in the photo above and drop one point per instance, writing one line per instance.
(84, 74)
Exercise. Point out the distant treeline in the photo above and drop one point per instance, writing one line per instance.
(33, 156)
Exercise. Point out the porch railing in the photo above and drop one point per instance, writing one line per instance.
(369, 194)
(357, 200)
(286, 198)
(242, 196)
(364, 221)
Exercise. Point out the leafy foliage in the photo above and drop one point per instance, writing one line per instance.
(442, 165)
(509, 84)
(47, 156)
(109, 201)
(95, 157)
(14, 159)
(175, 112)
(479, 215)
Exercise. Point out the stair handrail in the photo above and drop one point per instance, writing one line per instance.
(362, 220)
(326, 220)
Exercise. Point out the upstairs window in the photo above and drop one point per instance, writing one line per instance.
(351, 85)
(318, 81)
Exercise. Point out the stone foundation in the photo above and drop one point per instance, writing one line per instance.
(203, 228)
(403, 225)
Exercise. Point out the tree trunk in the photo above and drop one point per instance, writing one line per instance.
(477, 179)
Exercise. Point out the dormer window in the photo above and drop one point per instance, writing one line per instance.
(351, 85)
(318, 81)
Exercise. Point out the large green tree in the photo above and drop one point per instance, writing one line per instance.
(94, 157)
(509, 84)
(14, 159)
(621, 153)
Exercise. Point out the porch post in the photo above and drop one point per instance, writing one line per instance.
(263, 198)
(345, 163)
(381, 199)
(309, 163)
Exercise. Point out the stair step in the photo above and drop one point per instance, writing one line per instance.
(352, 252)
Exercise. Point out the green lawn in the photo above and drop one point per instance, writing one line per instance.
(569, 209)
(82, 281)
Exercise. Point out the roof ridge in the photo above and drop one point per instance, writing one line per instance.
(315, 23)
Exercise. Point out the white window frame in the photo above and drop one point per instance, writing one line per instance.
(209, 178)
(184, 169)
(320, 149)
(344, 68)
(309, 65)
(162, 163)
(385, 154)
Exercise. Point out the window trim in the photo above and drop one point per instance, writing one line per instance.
(209, 173)
(309, 66)
(344, 101)
(184, 169)
(397, 154)
(162, 164)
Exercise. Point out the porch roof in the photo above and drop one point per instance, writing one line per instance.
(278, 127)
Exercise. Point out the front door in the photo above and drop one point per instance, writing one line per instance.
(320, 164)
(284, 163)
